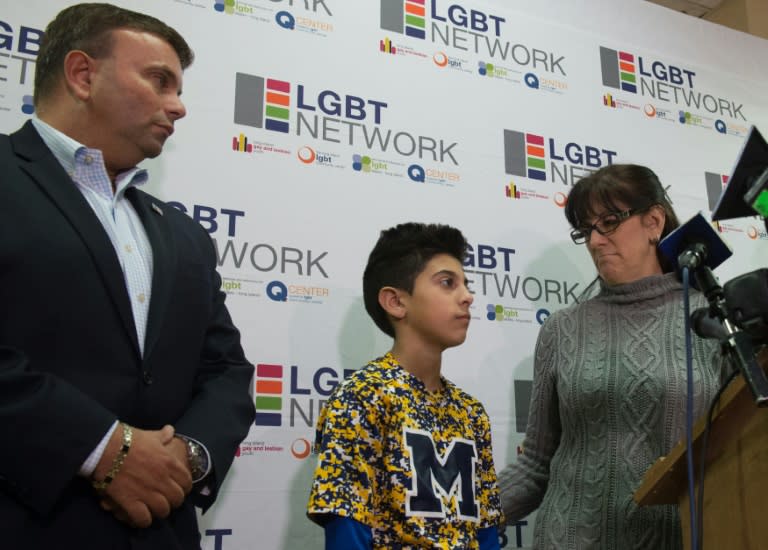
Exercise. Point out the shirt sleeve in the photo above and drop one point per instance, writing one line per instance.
(348, 534)
(348, 443)
(524, 483)
(489, 499)
(488, 538)
(86, 470)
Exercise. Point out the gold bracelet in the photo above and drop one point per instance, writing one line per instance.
(117, 463)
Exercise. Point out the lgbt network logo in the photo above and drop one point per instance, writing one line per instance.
(535, 157)
(288, 393)
(262, 102)
(524, 155)
(269, 395)
(404, 17)
(619, 69)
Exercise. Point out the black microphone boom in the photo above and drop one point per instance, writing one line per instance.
(697, 247)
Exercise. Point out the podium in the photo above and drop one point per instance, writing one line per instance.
(736, 475)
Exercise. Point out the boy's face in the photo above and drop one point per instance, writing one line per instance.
(437, 312)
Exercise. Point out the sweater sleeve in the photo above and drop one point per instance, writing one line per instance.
(524, 482)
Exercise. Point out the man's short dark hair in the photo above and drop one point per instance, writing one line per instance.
(88, 27)
(400, 255)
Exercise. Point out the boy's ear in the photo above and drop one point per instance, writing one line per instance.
(389, 300)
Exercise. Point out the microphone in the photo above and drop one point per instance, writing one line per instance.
(707, 326)
(747, 299)
(695, 244)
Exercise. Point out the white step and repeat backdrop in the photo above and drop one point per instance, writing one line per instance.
(315, 123)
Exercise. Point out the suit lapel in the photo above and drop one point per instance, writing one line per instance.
(45, 171)
(152, 216)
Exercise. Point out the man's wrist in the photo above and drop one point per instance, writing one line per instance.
(117, 462)
(197, 457)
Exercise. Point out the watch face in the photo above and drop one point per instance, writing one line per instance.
(198, 462)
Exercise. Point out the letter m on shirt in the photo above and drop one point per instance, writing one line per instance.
(434, 476)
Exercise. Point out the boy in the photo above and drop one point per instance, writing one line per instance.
(405, 456)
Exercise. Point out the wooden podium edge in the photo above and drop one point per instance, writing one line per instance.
(667, 476)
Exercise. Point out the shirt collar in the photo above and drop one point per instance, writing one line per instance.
(67, 150)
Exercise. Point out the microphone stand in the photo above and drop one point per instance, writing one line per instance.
(737, 344)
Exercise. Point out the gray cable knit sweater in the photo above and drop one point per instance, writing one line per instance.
(608, 399)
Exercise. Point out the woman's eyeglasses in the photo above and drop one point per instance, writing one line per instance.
(605, 225)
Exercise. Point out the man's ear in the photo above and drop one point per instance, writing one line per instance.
(79, 68)
(389, 300)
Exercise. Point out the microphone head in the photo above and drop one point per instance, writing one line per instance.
(696, 231)
(746, 297)
(707, 326)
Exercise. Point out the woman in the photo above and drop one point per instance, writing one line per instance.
(609, 384)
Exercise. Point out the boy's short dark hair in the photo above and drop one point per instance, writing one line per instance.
(88, 27)
(400, 255)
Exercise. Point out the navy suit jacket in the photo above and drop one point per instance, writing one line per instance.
(70, 363)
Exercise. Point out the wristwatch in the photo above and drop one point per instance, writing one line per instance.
(197, 457)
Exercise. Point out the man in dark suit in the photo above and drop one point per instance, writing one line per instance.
(124, 391)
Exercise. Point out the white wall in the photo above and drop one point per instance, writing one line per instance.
(323, 217)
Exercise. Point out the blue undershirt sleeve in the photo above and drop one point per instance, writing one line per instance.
(342, 533)
(488, 538)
